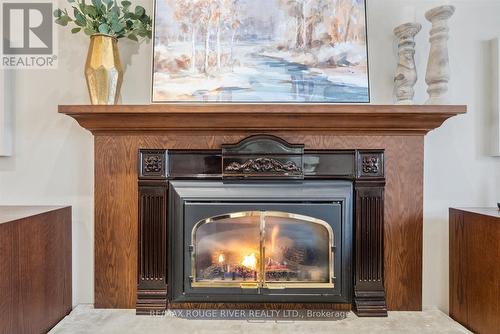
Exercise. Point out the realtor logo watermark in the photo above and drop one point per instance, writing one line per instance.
(28, 35)
(253, 315)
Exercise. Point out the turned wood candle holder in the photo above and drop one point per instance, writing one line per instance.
(438, 68)
(406, 73)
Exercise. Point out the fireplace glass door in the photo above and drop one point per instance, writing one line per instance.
(262, 249)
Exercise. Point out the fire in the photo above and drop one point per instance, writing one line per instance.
(250, 261)
(274, 235)
(221, 258)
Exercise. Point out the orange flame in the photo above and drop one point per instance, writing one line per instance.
(250, 261)
(274, 234)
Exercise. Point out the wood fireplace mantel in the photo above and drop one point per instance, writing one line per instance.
(352, 119)
(122, 130)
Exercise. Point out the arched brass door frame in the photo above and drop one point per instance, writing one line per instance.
(261, 282)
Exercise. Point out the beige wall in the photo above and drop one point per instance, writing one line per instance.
(53, 156)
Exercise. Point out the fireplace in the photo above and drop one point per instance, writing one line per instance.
(261, 221)
(259, 241)
(379, 148)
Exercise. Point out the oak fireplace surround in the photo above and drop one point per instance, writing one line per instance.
(395, 133)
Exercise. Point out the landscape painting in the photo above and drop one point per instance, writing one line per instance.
(259, 51)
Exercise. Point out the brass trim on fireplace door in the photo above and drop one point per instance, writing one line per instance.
(261, 281)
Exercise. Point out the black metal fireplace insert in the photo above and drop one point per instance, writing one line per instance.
(261, 242)
(261, 221)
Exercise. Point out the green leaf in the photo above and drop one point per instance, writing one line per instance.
(115, 11)
(88, 31)
(116, 27)
(146, 20)
(97, 3)
(139, 11)
(114, 21)
(71, 1)
(126, 3)
(80, 21)
(58, 13)
(80, 18)
(63, 21)
(91, 11)
(75, 30)
(104, 28)
(133, 37)
(102, 9)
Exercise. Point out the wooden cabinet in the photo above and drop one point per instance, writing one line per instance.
(475, 268)
(35, 268)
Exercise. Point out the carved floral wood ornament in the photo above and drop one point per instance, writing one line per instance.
(371, 164)
(263, 165)
(153, 164)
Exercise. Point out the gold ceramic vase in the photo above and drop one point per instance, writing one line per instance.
(103, 70)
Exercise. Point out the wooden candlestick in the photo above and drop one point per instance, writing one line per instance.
(406, 74)
(438, 67)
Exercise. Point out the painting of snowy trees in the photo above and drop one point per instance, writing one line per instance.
(260, 51)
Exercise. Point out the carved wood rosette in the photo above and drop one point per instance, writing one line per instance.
(369, 293)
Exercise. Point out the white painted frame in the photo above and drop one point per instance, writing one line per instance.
(495, 48)
(5, 121)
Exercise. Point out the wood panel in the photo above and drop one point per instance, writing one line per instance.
(341, 118)
(474, 269)
(152, 253)
(116, 223)
(35, 270)
(457, 256)
(9, 279)
(116, 205)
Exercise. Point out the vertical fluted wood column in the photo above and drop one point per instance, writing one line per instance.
(369, 292)
(152, 262)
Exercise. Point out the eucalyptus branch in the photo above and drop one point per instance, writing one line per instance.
(106, 17)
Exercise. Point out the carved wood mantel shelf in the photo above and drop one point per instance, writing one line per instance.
(122, 130)
(381, 119)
